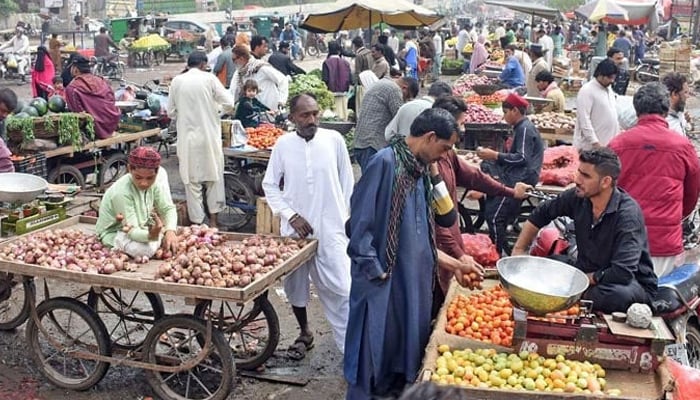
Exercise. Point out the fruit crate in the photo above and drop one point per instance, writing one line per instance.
(34, 164)
(492, 136)
(46, 127)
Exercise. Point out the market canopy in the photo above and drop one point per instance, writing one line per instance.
(347, 15)
(535, 10)
(597, 10)
(627, 12)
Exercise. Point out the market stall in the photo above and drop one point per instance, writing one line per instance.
(184, 356)
(486, 330)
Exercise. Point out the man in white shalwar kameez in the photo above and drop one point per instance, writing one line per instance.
(315, 203)
(273, 85)
(195, 98)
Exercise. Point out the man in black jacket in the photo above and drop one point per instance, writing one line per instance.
(520, 162)
(282, 62)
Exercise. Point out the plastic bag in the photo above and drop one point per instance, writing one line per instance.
(239, 137)
(687, 380)
(480, 247)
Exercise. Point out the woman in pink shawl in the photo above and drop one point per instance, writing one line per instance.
(42, 73)
(479, 55)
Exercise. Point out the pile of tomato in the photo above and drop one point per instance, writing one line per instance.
(485, 316)
(264, 136)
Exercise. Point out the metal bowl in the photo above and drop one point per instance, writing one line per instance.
(21, 188)
(540, 285)
(129, 106)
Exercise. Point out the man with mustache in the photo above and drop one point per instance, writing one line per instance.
(679, 91)
(318, 180)
(610, 234)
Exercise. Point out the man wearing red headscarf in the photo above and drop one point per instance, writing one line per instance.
(521, 161)
(137, 214)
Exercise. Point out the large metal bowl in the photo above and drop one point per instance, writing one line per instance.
(540, 285)
(21, 188)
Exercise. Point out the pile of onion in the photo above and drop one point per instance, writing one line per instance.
(69, 249)
(205, 258)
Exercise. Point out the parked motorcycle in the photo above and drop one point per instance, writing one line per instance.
(647, 70)
(678, 298)
(112, 69)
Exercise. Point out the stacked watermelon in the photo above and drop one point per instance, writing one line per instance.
(38, 107)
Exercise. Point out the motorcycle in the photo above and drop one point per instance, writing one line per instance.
(678, 298)
(647, 70)
(112, 69)
(9, 66)
(316, 45)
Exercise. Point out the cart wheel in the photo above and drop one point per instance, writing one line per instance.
(126, 314)
(252, 330)
(147, 59)
(112, 169)
(176, 339)
(159, 57)
(77, 329)
(66, 174)
(256, 172)
(240, 203)
(118, 72)
(14, 306)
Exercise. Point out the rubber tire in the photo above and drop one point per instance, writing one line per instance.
(95, 324)
(262, 305)
(312, 51)
(118, 73)
(255, 173)
(17, 320)
(236, 187)
(114, 158)
(154, 299)
(692, 338)
(66, 169)
(217, 339)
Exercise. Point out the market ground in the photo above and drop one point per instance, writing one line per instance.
(20, 379)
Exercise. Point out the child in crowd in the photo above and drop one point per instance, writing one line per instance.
(249, 108)
(57, 87)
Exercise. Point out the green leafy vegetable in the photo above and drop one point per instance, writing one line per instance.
(314, 85)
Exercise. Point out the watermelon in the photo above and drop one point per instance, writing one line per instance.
(42, 107)
(20, 106)
(153, 103)
(21, 115)
(57, 104)
(31, 111)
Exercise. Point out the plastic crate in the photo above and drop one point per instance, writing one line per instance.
(492, 136)
(34, 164)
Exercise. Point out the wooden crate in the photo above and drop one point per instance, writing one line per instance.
(265, 221)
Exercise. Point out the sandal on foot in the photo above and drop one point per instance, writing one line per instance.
(302, 344)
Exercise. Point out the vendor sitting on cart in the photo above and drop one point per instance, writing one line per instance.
(613, 249)
(137, 214)
(249, 109)
(512, 75)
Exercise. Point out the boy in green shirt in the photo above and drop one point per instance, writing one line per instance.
(137, 214)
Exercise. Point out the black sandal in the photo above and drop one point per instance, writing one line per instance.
(302, 344)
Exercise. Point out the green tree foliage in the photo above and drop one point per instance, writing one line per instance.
(565, 5)
(7, 7)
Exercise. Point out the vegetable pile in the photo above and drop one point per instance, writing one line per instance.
(306, 83)
(495, 98)
(478, 114)
(525, 371)
(552, 120)
(463, 85)
(205, 258)
(480, 247)
(151, 42)
(559, 165)
(68, 249)
(264, 136)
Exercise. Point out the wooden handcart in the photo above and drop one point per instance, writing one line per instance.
(121, 321)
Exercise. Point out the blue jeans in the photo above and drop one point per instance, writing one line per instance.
(363, 155)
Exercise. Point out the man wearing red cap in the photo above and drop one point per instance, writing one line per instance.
(137, 214)
(521, 162)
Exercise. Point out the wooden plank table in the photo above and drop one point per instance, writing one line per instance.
(144, 278)
(253, 154)
(118, 138)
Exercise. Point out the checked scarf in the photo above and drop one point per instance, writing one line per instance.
(407, 172)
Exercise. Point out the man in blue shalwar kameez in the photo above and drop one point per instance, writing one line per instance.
(393, 253)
